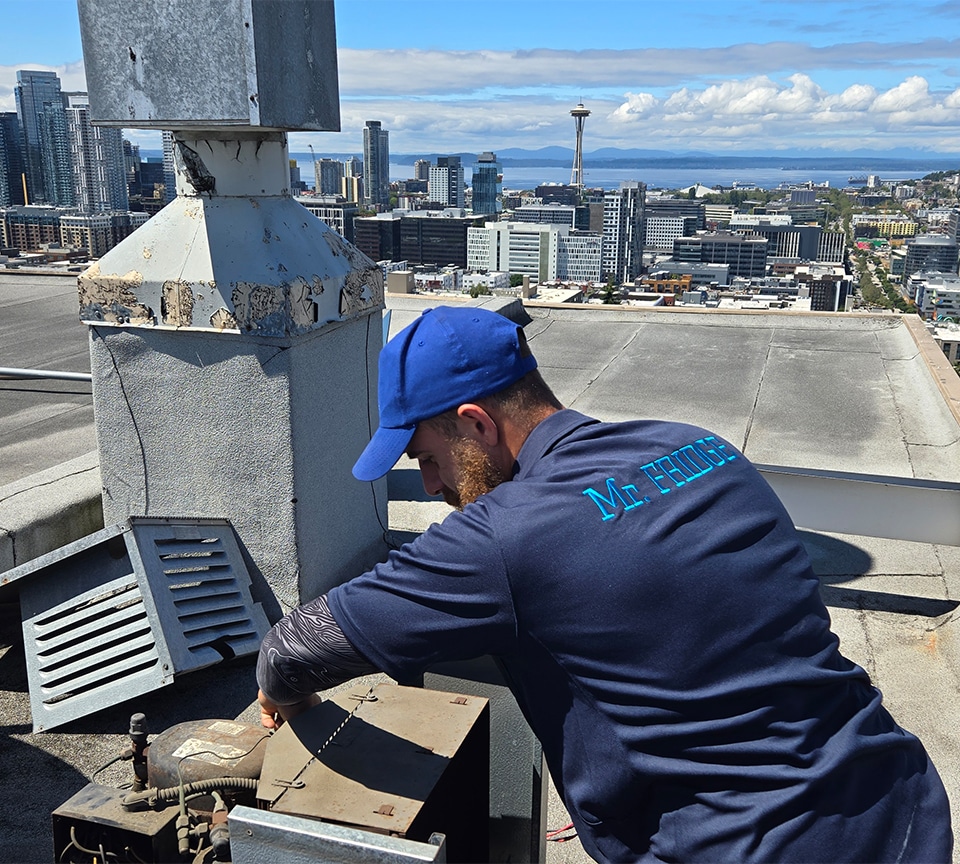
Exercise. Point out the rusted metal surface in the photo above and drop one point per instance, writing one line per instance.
(176, 303)
(113, 298)
(378, 769)
(300, 277)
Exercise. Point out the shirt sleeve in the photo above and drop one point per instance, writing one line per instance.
(304, 652)
(443, 597)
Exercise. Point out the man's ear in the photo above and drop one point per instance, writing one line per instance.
(474, 422)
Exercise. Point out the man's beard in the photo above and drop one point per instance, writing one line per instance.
(476, 473)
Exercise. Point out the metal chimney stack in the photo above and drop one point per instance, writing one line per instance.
(234, 337)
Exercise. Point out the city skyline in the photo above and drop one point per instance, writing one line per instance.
(760, 75)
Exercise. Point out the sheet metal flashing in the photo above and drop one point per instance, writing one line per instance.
(898, 508)
(298, 276)
(261, 835)
(175, 64)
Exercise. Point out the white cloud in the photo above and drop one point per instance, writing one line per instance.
(911, 94)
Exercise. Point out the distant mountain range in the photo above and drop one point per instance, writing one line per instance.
(899, 159)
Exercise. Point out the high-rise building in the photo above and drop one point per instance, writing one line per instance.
(421, 169)
(378, 237)
(55, 156)
(487, 184)
(29, 227)
(352, 167)
(446, 182)
(39, 108)
(623, 212)
(96, 153)
(328, 176)
(131, 168)
(169, 173)
(428, 237)
(376, 165)
(12, 165)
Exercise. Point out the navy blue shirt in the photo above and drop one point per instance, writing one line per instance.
(664, 635)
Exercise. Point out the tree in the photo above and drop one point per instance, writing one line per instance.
(479, 290)
(610, 296)
(516, 280)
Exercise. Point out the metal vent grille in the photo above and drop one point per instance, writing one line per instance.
(123, 611)
(200, 590)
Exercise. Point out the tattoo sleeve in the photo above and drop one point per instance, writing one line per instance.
(305, 652)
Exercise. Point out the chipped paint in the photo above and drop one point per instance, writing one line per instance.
(112, 299)
(176, 303)
(362, 290)
(223, 319)
(147, 253)
(252, 303)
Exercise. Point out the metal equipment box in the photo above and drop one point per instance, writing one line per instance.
(93, 825)
(402, 761)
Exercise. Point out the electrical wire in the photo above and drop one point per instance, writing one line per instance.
(559, 835)
(118, 758)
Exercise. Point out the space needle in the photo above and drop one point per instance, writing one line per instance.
(579, 114)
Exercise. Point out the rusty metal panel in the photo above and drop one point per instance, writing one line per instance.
(380, 760)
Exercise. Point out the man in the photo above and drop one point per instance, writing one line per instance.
(652, 605)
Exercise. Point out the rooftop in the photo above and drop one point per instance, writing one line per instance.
(867, 394)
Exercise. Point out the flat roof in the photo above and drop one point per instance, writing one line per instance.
(845, 392)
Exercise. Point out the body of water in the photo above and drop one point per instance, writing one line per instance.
(527, 177)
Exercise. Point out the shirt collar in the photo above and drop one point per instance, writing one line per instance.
(545, 436)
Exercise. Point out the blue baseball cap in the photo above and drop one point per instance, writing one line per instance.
(446, 357)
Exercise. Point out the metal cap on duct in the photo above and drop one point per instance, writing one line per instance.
(122, 612)
(179, 64)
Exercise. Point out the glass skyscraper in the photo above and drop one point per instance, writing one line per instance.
(40, 112)
(487, 184)
(376, 165)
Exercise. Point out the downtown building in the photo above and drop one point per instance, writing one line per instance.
(13, 168)
(96, 154)
(745, 256)
(436, 237)
(43, 129)
(376, 166)
(98, 233)
(445, 185)
(335, 212)
(328, 176)
(931, 252)
(543, 251)
(487, 184)
(623, 217)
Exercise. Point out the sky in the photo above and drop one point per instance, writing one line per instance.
(721, 76)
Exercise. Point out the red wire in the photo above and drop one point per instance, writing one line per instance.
(553, 835)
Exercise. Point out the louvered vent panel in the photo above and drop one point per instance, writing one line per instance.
(121, 612)
(92, 650)
(201, 590)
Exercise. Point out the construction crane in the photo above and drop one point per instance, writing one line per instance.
(316, 180)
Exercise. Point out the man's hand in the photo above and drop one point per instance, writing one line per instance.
(274, 716)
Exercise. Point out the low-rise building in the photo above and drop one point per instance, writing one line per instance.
(539, 250)
(746, 256)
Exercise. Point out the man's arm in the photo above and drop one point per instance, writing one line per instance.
(306, 651)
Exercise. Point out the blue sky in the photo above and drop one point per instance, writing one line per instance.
(724, 77)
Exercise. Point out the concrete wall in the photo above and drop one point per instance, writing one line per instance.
(48, 510)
